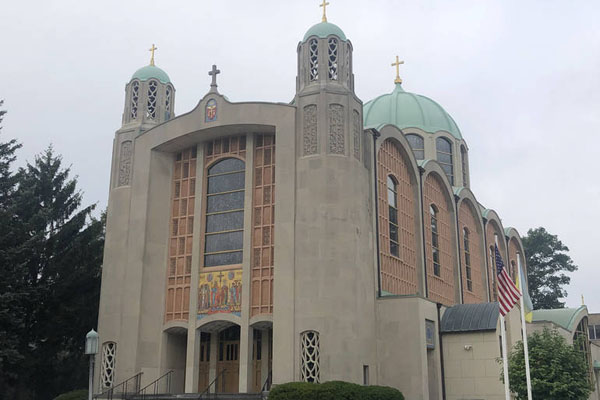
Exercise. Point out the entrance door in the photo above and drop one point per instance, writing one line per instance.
(204, 364)
(228, 363)
(257, 362)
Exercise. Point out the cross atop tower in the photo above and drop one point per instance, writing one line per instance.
(324, 5)
(213, 72)
(152, 50)
(397, 65)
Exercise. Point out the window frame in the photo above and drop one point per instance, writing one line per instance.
(415, 149)
(393, 208)
(467, 251)
(438, 140)
(435, 240)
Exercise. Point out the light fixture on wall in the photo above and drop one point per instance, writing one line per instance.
(468, 347)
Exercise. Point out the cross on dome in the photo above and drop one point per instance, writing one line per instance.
(324, 5)
(397, 65)
(152, 50)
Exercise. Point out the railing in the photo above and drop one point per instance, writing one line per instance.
(127, 387)
(267, 385)
(162, 385)
(214, 382)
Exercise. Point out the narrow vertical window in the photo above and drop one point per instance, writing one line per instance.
(417, 144)
(309, 363)
(463, 158)
(467, 250)
(152, 94)
(332, 53)
(313, 59)
(444, 157)
(435, 240)
(107, 373)
(493, 273)
(347, 66)
(392, 189)
(168, 101)
(224, 213)
(135, 95)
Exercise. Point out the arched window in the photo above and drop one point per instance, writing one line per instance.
(444, 157)
(463, 159)
(107, 372)
(135, 95)
(348, 53)
(392, 188)
(435, 241)
(152, 95)
(224, 213)
(332, 58)
(417, 144)
(313, 59)
(467, 250)
(310, 363)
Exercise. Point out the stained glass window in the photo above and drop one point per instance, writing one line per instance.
(417, 144)
(444, 157)
(435, 241)
(392, 188)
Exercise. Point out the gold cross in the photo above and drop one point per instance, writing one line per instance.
(324, 5)
(152, 49)
(397, 65)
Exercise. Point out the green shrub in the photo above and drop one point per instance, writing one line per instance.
(81, 394)
(334, 390)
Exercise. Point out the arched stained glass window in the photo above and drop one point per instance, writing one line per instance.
(392, 188)
(224, 213)
(444, 157)
(417, 144)
(467, 250)
(332, 58)
(435, 240)
(313, 59)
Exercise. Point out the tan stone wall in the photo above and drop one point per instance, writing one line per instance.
(398, 274)
(471, 370)
(440, 289)
(467, 218)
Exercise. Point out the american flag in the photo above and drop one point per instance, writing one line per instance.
(508, 294)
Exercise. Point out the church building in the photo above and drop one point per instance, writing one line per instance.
(251, 244)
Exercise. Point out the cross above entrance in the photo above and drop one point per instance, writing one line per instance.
(324, 5)
(397, 65)
(213, 72)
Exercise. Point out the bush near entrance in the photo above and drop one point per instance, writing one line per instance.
(74, 395)
(334, 390)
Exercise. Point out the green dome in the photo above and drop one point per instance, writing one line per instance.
(324, 29)
(151, 72)
(408, 110)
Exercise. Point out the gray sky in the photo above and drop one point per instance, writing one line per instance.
(521, 79)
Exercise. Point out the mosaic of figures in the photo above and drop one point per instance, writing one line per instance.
(220, 292)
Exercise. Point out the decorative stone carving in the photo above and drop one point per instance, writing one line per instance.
(336, 129)
(356, 130)
(125, 163)
(310, 361)
(309, 136)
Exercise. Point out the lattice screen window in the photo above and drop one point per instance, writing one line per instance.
(152, 94)
(463, 157)
(107, 372)
(309, 367)
(135, 95)
(168, 100)
(347, 64)
(313, 59)
(332, 59)
(467, 249)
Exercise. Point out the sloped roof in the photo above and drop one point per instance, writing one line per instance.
(471, 318)
(563, 317)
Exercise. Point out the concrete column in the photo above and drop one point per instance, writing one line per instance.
(214, 356)
(193, 342)
(246, 342)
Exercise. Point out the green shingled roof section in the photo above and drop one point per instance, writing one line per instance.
(324, 29)
(151, 72)
(564, 317)
(408, 110)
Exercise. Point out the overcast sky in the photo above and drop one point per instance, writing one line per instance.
(521, 79)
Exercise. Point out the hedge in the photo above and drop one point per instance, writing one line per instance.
(74, 395)
(334, 390)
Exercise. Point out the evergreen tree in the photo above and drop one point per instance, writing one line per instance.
(547, 260)
(558, 370)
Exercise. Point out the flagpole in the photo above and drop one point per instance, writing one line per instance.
(504, 349)
(524, 327)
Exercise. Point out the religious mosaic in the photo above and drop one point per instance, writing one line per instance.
(220, 292)
(211, 110)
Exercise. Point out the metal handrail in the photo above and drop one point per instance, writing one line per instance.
(267, 385)
(205, 391)
(123, 386)
(156, 383)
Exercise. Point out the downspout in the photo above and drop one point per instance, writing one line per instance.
(421, 172)
(376, 134)
(439, 306)
(487, 260)
(459, 258)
